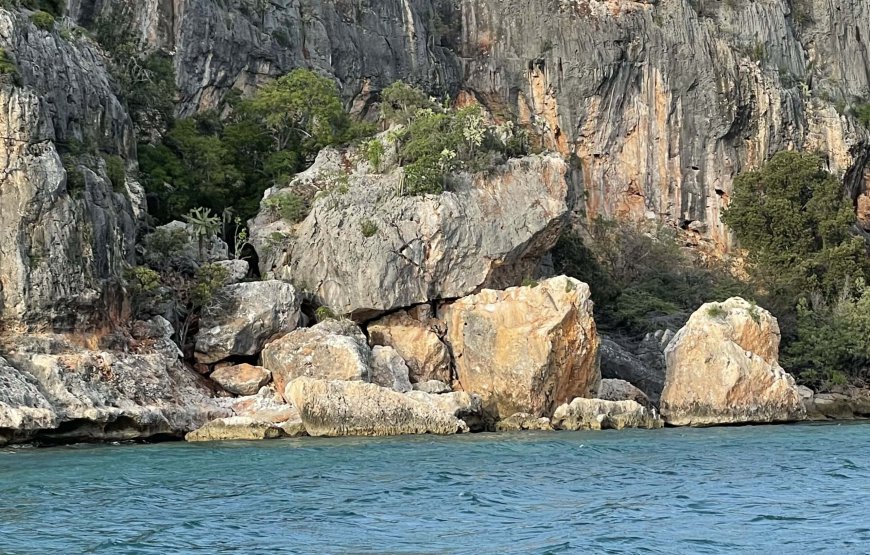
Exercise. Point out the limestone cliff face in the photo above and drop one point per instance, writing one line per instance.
(65, 230)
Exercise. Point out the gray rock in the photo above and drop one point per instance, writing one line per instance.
(619, 364)
(236, 269)
(331, 350)
(433, 387)
(416, 338)
(243, 317)
(389, 369)
(596, 414)
(491, 233)
(342, 408)
(621, 390)
(74, 394)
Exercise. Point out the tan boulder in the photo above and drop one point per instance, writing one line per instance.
(235, 428)
(416, 342)
(242, 379)
(464, 406)
(522, 421)
(597, 414)
(722, 368)
(266, 406)
(342, 408)
(331, 350)
(525, 349)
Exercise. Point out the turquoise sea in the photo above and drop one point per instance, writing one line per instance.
(756, 489)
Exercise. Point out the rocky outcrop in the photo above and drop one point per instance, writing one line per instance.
(525, 349)
(235, 428)
(723, 369)
(596, 414)
(331, 350)
(242, 317)
(341, 408)
(621, 390)
(847, 403)
(61, 392)
(489, 231)
(523, 421)
(417, 343)
(432, 386)
(464, 406)
(241, 379)
(389, 369)
(620, 364)
(66, 229)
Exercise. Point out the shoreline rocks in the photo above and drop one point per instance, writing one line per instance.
(722, 368)
(597, 414)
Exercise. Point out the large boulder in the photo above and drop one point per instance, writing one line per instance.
(241, 379)
(24, 410)
(620, 364)
(723, 369)
(525, 349)
(424, 352)
(389, 369)
(364, 250)
(331, 350)
(342, 408)
(464, 406)
(597, 414)
(523, 421)
(244, 316)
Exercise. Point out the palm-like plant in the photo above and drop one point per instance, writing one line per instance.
(204, 224)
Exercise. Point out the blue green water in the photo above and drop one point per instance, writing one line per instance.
(767, 489)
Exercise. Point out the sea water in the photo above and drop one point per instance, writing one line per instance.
(754, 489)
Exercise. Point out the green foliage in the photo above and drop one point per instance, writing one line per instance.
(288, 206)
(401, 102)
(205, 226)
(42, 20)
(7, 65)
(368, 228)
(862, 113)
(143, 283)
(529, 282)
(716, 311)
(796, 223)
(830, 344)
(53, 7)
(214, 163)
(163, 245)
(117, 173)
(75, 179)
(324, 313)
(638, 275)
(209, 278)
(373, 150)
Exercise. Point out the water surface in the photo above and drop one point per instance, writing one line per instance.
(764, 489)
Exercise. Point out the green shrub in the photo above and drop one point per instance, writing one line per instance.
(716, 311)
(529, 282)
(368, 228)
(288, 206)
(75, 179)
(373, 151)
(324, 313)
(209, 279)
(7, 64)
(116, 172)
(43, 20)
(862, 114)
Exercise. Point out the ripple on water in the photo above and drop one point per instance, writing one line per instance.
(754, 489)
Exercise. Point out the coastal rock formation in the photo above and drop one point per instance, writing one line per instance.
(242, 317)
(241, 379)
(620, 364)
(723, 369)
(432, 386)
(267, 405)
(848, 403)
(464, 406)
(389, 369)
(415, 341)
(596, 414)
(522, 421)
(62, 392)
(621, 390)
(235, 428)
(331, 350)
(342, 408)
(489, 231)
(525, 349)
